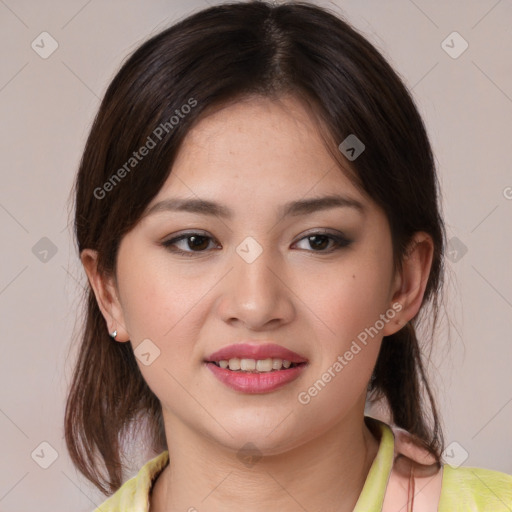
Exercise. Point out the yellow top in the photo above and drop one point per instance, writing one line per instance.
(463, 488)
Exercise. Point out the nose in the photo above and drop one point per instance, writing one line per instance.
(255, 293)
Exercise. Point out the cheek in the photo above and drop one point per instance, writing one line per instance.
(350, 342)
(157, 300)
(354, 300)
(162, 306)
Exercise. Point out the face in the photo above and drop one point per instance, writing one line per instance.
(312, 279)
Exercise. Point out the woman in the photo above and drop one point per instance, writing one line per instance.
(257, 213)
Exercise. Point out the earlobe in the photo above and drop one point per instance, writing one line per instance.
(412, 280)
(105, 291)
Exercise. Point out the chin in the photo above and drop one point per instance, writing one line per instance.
(271, 434)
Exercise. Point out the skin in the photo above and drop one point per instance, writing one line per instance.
(252, 157)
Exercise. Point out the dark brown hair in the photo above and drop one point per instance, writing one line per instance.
(218, 55)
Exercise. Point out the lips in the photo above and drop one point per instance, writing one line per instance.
(255, 351)
(255, 368)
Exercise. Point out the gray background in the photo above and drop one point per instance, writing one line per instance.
(46, 108)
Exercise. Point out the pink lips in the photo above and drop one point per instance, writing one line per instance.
(254, 382)
(255, 351)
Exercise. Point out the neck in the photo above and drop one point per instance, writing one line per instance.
(326, 473)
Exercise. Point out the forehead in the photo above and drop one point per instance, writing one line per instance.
(255, 146)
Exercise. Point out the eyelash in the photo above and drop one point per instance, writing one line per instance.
(340, 242)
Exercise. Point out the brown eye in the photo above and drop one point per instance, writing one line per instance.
(197, 242)
(325, 242)
(190, 243)
(318, 241)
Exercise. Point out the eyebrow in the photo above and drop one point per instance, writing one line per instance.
(292, 208)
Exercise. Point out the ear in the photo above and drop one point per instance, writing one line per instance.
(105, 290)
(410, 283)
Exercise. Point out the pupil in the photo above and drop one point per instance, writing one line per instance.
(318, 245)
(193, 239)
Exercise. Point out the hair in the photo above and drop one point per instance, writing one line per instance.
(219, 55)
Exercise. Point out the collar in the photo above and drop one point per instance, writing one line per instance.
(397, 479)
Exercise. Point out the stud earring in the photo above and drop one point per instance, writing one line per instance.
(113, 334)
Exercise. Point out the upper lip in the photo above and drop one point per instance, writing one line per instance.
(255, 351)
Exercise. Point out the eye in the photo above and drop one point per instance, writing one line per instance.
(320, 240)
(195, 242)
(192, 242)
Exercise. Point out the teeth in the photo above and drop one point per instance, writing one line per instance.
(264, 365)
(234, 364)
(254, 365)
(277, 363)
(247, 365)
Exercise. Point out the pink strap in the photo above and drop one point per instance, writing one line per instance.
(415, 480)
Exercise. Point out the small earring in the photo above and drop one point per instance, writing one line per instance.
(113, 334)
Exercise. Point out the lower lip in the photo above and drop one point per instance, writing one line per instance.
(255, 382)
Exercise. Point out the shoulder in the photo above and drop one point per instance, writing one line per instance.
(133, 495)
(478, 488)
(444, 488)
